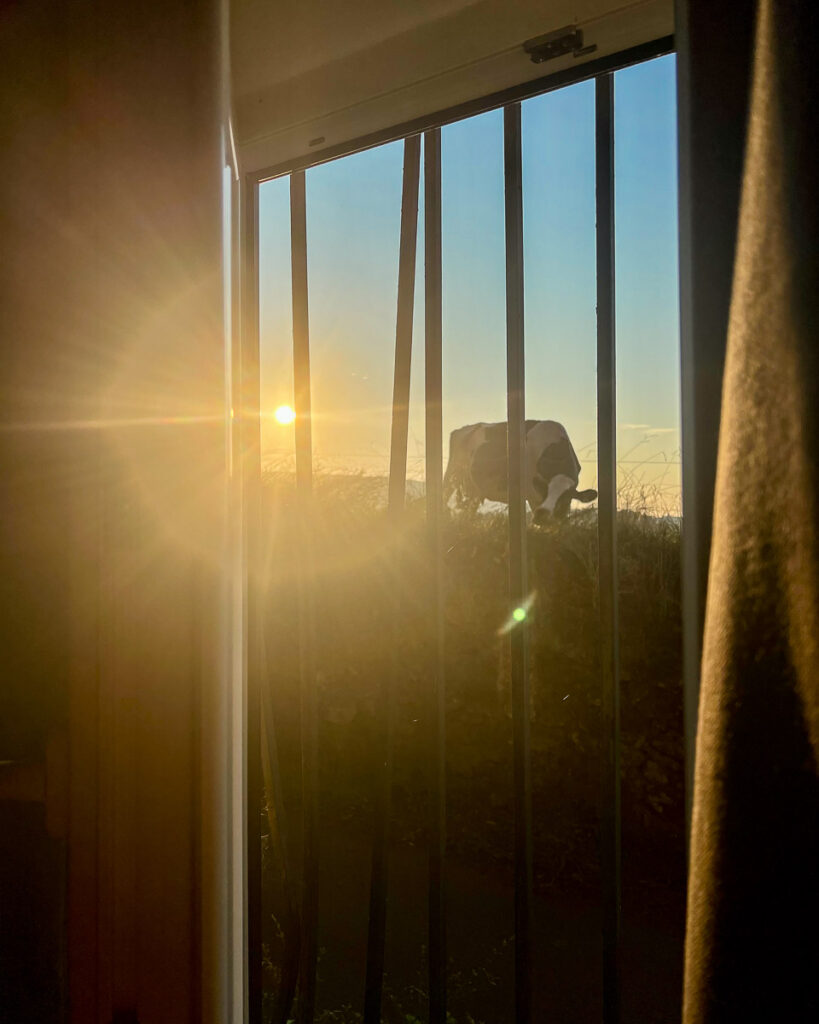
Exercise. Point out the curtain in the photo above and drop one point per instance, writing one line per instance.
(752, 949)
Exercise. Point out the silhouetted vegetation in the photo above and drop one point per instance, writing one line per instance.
(370, 584)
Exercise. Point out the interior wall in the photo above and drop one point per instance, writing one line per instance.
(312, 75)
(113, 460)
(36, 471)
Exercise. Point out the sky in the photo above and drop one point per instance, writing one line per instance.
(353, 220)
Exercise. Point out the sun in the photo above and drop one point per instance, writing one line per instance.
(284, 414)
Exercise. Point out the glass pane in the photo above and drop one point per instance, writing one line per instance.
(649, 539)
(561, 385)
(361, 575)
(279, 843)
(479, 756)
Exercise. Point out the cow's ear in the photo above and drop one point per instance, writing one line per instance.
(585, 496)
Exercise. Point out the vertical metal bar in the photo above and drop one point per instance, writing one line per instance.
(403, 325)
(307, 636)
(279, 846)
(251, 470)
(433, 401)
(518, 585)
(607, 544)
(376, 938)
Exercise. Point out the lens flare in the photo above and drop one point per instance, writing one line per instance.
(284, 414)
(518, 615)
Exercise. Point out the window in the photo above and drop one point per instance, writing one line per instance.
(349, 584)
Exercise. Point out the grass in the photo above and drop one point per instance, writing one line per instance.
(364, 570)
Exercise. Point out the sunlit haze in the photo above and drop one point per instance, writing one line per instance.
(353, 213)
(284, 414)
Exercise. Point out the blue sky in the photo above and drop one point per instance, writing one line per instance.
(353, 210)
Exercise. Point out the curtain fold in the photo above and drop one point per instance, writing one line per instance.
(752, 949)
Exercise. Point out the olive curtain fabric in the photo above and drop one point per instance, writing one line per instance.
(753, 911)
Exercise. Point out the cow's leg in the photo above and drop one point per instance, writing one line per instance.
(464, 501)
(469, 504)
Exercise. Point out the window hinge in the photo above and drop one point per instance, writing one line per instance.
(557, 44)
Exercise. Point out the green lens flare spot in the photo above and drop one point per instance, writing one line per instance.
(519, 614)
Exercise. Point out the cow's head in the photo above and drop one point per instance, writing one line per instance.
(561, 491)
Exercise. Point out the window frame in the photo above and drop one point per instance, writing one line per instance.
(249, 415)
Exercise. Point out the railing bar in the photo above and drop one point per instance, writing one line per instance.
(518, 586)
(376, 937)
(610, 825)
(307, 632)
(433, 403)
(279, 845)
(403, 326)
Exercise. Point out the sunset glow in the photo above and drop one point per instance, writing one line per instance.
(354, 208)
(284, 414)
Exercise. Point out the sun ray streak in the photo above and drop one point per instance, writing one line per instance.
(46, 426)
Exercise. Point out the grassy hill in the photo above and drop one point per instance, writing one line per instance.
(370, 586)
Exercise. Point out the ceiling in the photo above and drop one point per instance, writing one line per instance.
(309, 75)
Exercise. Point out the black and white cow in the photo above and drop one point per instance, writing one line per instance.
(477, 469)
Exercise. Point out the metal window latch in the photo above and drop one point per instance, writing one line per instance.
(558, 44)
